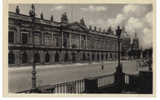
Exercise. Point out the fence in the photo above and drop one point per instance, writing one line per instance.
(77, 86)
(102, 84)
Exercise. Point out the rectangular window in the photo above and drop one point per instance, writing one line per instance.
(65, 40)
(48, 39)
(57, 39)
(75, 41)
(24, 38)
(37, 39)
(83, 42)
(11, 37)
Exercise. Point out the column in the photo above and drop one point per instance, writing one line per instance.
(80, 42)
(17, 57)
(62, 39)
(86, 42)
(70, 40)
(42, 38)
(17, 35)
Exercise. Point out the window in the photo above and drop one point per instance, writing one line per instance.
(24, 58)
(56, 57)
(11, 58)
(88, 56)
(102, 56)
(48, 39)
(93, 57)
(24, 38)
(83, 45)
(106, 56)
(65, 40)
(73, 57)
(84, 57)
(66, 57)
(37, 58)
(47, 57)
(111, 55)
(11, 37)
(56, 40)
(98, 57)
(75, 41)
(37, 40)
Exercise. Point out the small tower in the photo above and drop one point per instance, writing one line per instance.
(52, 18)
(17, 10)
(64, 18)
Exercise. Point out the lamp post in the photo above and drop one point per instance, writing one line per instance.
(118, 33)
(32, 15)
(119, 79)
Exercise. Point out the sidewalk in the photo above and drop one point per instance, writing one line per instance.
(57, 65)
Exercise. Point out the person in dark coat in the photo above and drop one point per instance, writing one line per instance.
(102, 67)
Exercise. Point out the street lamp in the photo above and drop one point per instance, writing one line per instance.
(32, 15)
(119, 79)
(118, 33)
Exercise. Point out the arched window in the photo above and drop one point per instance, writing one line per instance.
(11, 37)
(11, 58)
(73, 57)
(24, 58)
(102, 56)
(56, 57)
(66, 57)
(47, 57)
(37, 58)
(88, 56)
(97, 56)
(111, 55)
(24, 37)
(92, 57)
(84, 57)
(106, 56)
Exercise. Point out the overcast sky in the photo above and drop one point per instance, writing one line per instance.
(135, 18)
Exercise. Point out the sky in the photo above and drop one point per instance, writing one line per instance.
(135, 18)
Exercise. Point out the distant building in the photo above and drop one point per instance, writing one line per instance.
(56, 42)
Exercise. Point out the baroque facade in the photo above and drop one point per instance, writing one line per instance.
(57, 42)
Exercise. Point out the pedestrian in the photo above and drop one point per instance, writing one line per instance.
(102, 67)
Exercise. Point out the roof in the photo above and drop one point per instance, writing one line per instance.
(72, 26)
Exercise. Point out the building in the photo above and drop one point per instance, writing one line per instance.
(56, 42)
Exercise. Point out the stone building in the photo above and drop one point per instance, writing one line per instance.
(56, 42)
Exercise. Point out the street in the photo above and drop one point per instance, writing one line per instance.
(20, 79)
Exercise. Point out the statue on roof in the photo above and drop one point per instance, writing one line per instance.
(17, 10)
(51, 18)
(110, 31)
(41, 16)
(32, 11)
(82, 21)
(64, 18)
